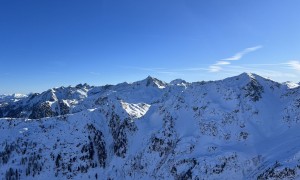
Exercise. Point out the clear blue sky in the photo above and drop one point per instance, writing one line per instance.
(51, 43)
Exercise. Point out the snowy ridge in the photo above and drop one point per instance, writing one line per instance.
(242, 127)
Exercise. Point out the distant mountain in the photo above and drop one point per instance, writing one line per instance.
(242, 127)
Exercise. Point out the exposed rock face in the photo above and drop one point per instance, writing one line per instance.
(244, 127)
(42, 110)
(254, 90)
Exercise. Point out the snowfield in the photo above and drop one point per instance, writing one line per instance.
(242, 127)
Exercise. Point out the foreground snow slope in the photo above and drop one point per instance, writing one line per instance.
(243, 127)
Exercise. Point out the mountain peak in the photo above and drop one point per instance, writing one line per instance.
(248, 75)
(151, 81)
(243, 78)
(80, 86)
(150, 77)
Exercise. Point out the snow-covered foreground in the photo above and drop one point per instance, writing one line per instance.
(243, 127)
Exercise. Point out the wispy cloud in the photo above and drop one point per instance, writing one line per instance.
(282, 71)
(170, 73)
(224, 62)
(214, 68)
(242, 53)
(294, 65)
(271, 72)
(217, 66)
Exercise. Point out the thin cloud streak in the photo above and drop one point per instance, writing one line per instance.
(222, 63)
(263, 72)
(274, 71)
(294, 65)
(239, 55)
(274, 64)
(170, 73)
(217, 66)
(214, 68)
(270, 72)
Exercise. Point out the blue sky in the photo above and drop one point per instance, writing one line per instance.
(53, 43)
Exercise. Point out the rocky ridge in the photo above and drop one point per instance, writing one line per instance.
(242, 127)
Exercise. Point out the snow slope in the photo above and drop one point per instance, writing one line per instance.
(242, 127)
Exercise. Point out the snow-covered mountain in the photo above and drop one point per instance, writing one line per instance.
(242, 127)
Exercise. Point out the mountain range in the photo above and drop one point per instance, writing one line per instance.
(242, 127)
